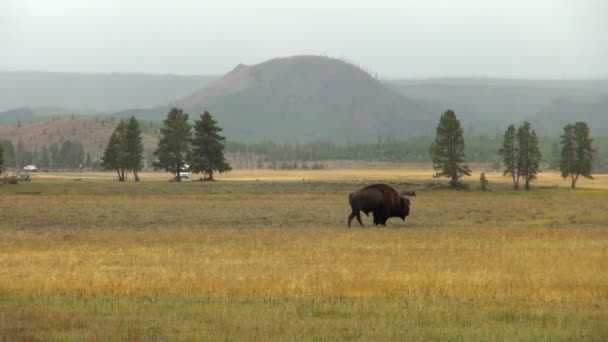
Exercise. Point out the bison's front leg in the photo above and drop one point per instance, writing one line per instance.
(380, 218)
(377, 217)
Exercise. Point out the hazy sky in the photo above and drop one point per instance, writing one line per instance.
(479, 38)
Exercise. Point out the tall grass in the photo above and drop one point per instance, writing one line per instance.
(266, 260)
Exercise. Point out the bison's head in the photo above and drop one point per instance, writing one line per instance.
(404, 207)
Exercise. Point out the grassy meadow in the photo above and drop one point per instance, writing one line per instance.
(267, 255)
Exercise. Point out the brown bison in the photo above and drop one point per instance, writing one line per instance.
(382, 200)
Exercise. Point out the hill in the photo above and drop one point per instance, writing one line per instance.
(92, 133)
(489, 104)
(307, 98)
(27, 115)
(552, 118)
(78, 93)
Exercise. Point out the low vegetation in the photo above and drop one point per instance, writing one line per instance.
(266, 254)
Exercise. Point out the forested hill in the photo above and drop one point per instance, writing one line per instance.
(35, 96)
(306, 98)
(485, 105)
(309, 98)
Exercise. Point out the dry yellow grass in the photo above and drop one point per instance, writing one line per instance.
(411, 173)
(273, 260)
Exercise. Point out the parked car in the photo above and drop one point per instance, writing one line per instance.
(183, 173)
(30, 168)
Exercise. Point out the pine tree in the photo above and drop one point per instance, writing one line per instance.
(113, 156)
(45, 159)
(555, 156)
(207, 147)
(173, 147)
(133, 148)
(447, 151)
(88, 163)
(80, 160)
(577, 153)
(509, 154)
(1, 158)
(529, 155)
(10, 158)
(483, 182)
(54, 154)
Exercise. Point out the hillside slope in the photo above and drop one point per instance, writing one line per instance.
(307, 98)
(552, 118)
(92, 133)
(93, 92)
(490, 104)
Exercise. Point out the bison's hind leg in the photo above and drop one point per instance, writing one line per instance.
(353, 215)
(359, 219)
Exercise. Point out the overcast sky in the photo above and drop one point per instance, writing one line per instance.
(395, 39)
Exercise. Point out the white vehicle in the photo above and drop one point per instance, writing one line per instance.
(183, 173)
(30, 168)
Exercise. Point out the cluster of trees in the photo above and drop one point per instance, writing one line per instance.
(125, 150)
(519, 154)
(181, 147)
(576, 152)
(481, 148)
(202, 150)
(67, 154)
(415, 149)
(1, 159)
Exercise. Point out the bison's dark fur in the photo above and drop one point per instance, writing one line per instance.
(382, 200)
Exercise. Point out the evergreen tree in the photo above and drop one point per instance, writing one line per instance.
(207, 147)
(577, 153)
(483, 182)
(70, 155)
(45, 158)
(10, 157)
(133, 147)
(113, 156)
(509, 154)
(529, 155)
(447, 151)
(88, 163)
(35, 156)
(1, 158)
(80, 158)
(54, 154)
(555, 156)
(173, 147)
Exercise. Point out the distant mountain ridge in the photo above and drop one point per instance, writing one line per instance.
(305, 98)
(308, 97)
(486, 105)
(93, 92)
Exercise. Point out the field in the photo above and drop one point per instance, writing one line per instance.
(267, 255)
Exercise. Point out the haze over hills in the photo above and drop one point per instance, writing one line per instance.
(489, 104)
(88, 93)
(306, 98)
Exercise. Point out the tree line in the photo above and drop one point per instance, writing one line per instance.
(479, 149)
(67, 154)
(181, 147)
(520, 154)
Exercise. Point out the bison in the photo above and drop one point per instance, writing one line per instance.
(382, 200)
